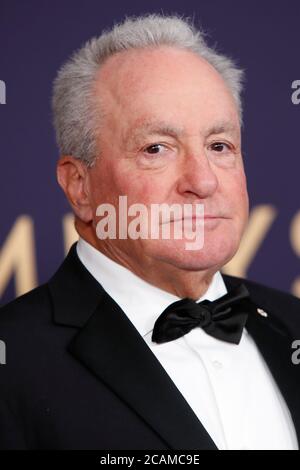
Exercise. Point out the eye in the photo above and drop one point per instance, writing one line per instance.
(220, 147)
(154, 149)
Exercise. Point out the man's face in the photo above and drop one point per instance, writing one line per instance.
(170, 134)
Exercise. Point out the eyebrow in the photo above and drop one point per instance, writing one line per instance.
(222, 128)
(157, 128)
(163, 128)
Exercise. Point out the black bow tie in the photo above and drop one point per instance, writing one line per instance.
(223, 318)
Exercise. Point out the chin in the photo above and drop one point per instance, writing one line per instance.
(211, 256)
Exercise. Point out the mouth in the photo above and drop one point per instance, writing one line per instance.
(198, 218)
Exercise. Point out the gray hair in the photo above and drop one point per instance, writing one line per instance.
(77, 117)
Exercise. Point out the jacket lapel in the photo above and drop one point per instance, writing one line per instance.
(110, 347)
(274, 341)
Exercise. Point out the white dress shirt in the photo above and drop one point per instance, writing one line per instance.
(229, 387)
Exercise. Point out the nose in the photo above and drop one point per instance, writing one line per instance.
(197, 177)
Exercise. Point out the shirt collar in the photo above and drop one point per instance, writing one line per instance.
(141, 302)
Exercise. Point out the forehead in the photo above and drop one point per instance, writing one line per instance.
(164, 84)
(139, 67)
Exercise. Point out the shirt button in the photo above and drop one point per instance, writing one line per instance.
(217, 365)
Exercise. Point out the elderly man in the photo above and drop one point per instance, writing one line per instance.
(138, 342)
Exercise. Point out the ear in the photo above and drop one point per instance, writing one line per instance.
(72, 176)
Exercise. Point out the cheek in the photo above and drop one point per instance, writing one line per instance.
(240, 200)
(236, 189)
(114, 181)
(140, 188)
(242, 191)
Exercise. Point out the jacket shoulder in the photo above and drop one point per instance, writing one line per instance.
(26, 307)
(283, 305)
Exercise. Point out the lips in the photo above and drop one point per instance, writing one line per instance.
(194, 217)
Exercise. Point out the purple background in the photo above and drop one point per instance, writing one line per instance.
(37, 36)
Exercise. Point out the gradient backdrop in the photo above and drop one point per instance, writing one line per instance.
(36, 36)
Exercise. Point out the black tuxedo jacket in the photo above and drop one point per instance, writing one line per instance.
(79, 375)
